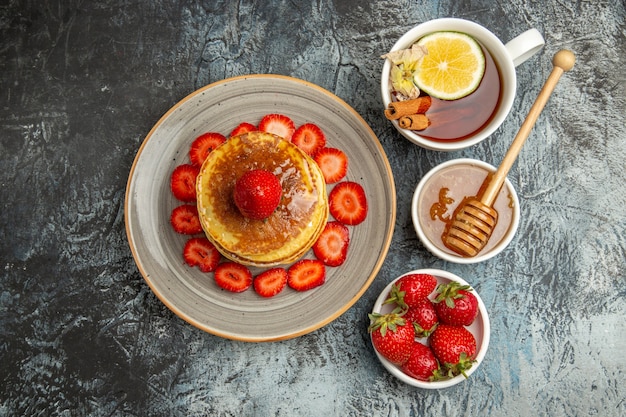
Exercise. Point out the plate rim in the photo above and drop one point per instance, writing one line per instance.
(288, 335)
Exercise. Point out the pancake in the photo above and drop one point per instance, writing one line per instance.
(294, 226)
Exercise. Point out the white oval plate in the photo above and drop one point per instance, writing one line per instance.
(157, 249)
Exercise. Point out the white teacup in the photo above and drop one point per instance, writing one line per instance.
(506, 58)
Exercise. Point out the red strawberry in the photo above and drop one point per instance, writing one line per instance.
(306, 274)
(257, 194)
(455, 347)
(200, 252)
(455, 304)
(185, 220)
(202, 146)
(183, 182)
(411, 289)
(392, 336)
(347, 203)
(270, 282)
(277, 124)
(333, 163)
(422, 364)
(332, 245)
(423, 317)
(233, 277)
(309, 137)
(242, 128)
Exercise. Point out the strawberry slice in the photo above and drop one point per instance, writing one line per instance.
(306, 274)
(185, 220)
(242, 128)
(333, 163)
(332, 245)
(183, 182)
(277, 124)
(200, 252)
(309, 137)
(202, 146)
(270, 282)
(347, 203)
(232, 276)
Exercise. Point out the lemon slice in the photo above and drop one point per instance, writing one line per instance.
(453, 67)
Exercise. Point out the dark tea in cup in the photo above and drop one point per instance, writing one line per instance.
(453, 120)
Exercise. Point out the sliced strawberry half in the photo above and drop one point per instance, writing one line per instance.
(306, 274)
(278, 124)
(270, 282)
(200, 252)
(232, 276)
(242, 128)
(183, 182)
(202, 146)
(185, 220)
(309, 137)
(333, 163)
(332, 245)
(347, 203)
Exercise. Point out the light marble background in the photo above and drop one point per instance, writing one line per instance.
(83, 82)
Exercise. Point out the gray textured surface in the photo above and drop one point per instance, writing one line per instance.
(80, 332)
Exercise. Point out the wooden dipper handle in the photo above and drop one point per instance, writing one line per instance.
(562, 61)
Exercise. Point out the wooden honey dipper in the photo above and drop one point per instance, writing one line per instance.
(475, 218)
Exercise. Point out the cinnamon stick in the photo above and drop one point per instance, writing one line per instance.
(398, 109)
(414, 122)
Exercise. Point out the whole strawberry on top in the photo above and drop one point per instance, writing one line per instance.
(455, 304)
(392, 336)
(257, 194)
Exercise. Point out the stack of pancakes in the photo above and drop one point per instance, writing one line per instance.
(294, 226)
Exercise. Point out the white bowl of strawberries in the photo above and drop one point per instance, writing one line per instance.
(430, 329)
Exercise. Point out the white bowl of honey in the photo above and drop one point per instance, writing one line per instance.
(439, 193)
